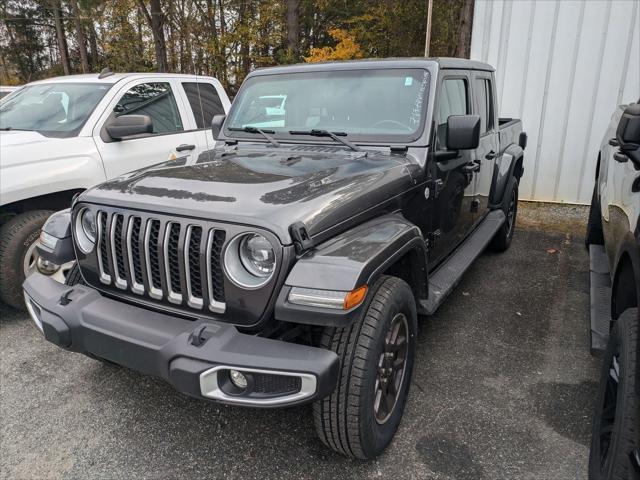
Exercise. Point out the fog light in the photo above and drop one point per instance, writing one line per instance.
(238, 379)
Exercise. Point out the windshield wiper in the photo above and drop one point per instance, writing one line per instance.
(326, 133)
(6, 129)
(264, 133)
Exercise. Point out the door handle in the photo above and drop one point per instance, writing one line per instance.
(620, 157)
(185, 147)
(491, 155)
(614, 142)
(473, 166)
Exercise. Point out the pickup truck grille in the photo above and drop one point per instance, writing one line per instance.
(170, 260)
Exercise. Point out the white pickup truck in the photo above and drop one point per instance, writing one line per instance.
(61, 136)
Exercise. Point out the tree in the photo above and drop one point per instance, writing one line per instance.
(82, 44)
(293, 28)
(156, 20)
(61, 36)
(345, 49)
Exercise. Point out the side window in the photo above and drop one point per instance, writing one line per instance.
(155, 100)
(484, 104)
(204, 101)
(453, 100)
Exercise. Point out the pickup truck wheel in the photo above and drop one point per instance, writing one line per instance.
(18, 255)
(361, 416)
(612, 435)
(594, 235)
(502, 239)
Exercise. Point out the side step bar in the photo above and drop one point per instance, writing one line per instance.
(600, 280)
(448, 275)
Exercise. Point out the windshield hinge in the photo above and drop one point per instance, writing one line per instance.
(399, 148)
(301, 239)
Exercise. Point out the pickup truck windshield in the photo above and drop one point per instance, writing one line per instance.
(52, 109)
(386, 105)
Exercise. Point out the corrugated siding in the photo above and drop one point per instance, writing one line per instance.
(562, 66)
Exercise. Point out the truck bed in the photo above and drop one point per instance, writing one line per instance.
(509, 130)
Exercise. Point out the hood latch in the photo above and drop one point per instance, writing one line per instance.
(301, 239)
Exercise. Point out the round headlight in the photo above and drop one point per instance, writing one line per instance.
(88, 221)
(250, 260)
(257, 255)
(85, 229)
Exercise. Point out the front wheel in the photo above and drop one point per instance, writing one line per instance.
(361, 416)
(18, 254)
(614, 422)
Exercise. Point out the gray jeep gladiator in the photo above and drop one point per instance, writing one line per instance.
(289, 263)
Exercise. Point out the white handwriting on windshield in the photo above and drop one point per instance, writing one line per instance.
(416, 112)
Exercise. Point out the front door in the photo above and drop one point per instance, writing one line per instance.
(487, 151)
(452, 216)
(172, 135)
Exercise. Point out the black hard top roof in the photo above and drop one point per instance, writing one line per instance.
(407, 62)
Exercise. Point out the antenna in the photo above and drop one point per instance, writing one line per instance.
(105, 72)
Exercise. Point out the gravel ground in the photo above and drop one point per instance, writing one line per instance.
(503, 388)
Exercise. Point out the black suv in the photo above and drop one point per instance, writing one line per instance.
(289, 263)
(613, 239)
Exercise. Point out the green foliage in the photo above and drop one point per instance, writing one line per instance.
(223, 38)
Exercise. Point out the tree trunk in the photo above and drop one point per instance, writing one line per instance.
(82, 44)
(293, 28)
(155, 18)
(223, 52)
(62, 41)
(93, 45)
(463, 49)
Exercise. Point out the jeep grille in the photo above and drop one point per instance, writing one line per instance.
(165, 260)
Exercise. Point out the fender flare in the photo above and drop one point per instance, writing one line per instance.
(350, 260)
(510, 167)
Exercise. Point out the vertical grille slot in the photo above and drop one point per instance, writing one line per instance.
(134, 254)
(171, 260)
(193, 275)
(117, 252)
(215, 281)
(103, 245)
(152, 258)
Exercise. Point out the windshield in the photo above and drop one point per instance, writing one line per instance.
(52, 109)
(386, 105)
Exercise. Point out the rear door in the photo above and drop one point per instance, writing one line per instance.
(173, 133)
(486, 153)
(205, 98)
(453, 216)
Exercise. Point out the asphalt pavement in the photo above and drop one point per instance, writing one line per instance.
(503, 389)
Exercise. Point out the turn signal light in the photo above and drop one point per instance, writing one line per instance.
(355, 297)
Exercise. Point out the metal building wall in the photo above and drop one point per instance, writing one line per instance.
(562, 66)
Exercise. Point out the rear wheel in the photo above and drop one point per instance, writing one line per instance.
(361, 416)
(18, 254)
(612, 435)
(502, 239)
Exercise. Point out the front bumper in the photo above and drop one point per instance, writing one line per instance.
(193, 356)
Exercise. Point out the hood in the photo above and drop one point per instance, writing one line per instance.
(267, 187)
(19, 147)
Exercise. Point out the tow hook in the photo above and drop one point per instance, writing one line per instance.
(200, 335)
(65, 297)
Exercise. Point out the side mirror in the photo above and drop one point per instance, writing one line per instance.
(463, 132)
(129, 125)
(216, 124)
(628, 131)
